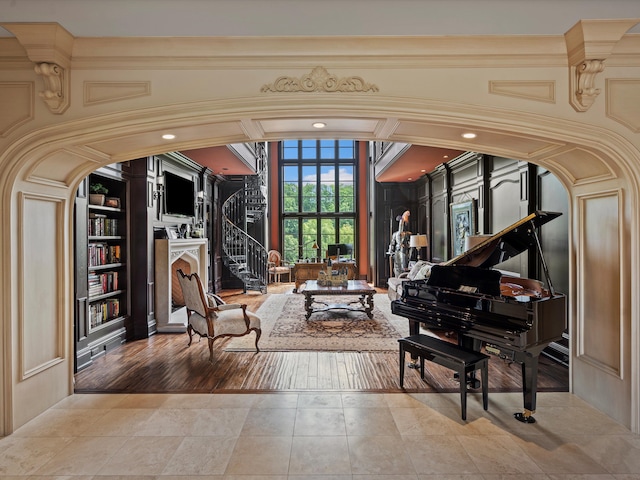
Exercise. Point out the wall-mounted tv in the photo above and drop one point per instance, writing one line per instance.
(179, 195)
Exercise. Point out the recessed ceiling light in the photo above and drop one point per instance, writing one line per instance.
(469, 135)
(319, 125)
(410, 178)
(423, 170)
(446, 156)
(168, 136)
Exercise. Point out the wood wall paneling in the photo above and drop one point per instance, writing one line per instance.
(554, 238)
(41, 341)
(143, 213)
(439, 215)
(392, 199)
(599, 341)
(504, 204)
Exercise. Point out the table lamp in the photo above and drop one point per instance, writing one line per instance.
(417, 242)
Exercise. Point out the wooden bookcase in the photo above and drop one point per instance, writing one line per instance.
(102, 270)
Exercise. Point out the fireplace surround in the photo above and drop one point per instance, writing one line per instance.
(188, 254)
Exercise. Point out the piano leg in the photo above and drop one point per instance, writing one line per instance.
(529, 386)
(414, 329)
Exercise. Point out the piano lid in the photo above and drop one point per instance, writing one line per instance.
(507, 243)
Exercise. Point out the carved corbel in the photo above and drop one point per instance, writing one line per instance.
(49, 47)
(56, 86)
(584, 80)
(589, 44)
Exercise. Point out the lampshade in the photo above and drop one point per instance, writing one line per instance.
(315, 246)
(418, 241)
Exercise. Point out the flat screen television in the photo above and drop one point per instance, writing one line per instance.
(179, 195)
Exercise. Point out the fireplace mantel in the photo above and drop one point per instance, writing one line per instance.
(194, 251)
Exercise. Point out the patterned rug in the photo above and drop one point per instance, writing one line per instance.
(284, 327)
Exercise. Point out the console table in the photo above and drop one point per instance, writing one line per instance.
(309, 271)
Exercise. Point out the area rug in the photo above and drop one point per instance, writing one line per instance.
(284, 327)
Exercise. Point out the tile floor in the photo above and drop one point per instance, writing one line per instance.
(321, 436)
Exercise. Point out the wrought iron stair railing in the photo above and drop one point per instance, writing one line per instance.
(245, 256)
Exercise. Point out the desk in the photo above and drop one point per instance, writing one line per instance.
(309, 271)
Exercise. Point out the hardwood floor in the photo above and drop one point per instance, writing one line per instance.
(164, 363)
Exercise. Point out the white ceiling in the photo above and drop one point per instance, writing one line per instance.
(108, 18)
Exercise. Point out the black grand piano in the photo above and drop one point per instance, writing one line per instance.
(514, 318)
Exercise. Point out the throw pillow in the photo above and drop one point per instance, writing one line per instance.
(415, 269)
(424, 272)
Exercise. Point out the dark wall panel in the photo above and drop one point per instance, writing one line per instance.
(555, 235)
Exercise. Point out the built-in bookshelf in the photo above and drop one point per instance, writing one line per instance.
(102, 270)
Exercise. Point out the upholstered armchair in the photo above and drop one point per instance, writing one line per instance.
(277, 267)
(210, 317)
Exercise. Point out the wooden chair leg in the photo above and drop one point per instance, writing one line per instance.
(190, 332)
(210, 349)
(258, 333)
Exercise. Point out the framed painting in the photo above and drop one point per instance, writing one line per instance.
(463, 224)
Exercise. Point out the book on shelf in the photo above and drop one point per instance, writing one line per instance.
(103, 254)
(102, 312)
(102, 283)
(101, 226)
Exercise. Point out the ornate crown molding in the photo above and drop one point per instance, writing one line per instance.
(319, 80)
(589, 44)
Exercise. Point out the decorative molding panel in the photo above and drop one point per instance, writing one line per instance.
(17, 103)
(41, 267)
(623, 102)
(319, 80)
(580, 165)
(541, 91)
(103, 92)
(60, 168)
(599, 299)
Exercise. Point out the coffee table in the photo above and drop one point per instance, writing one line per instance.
(354, 287)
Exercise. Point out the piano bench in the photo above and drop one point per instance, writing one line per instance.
(450, 355)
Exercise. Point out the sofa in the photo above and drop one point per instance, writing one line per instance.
(419, 271)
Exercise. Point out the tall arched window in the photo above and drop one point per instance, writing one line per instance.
(318, 184)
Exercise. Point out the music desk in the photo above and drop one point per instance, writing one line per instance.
(309, 271)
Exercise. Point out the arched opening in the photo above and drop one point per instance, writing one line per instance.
(41, 173)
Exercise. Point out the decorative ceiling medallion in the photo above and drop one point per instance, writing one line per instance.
(319, 80)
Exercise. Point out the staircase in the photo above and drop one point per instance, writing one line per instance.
(245, 256)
